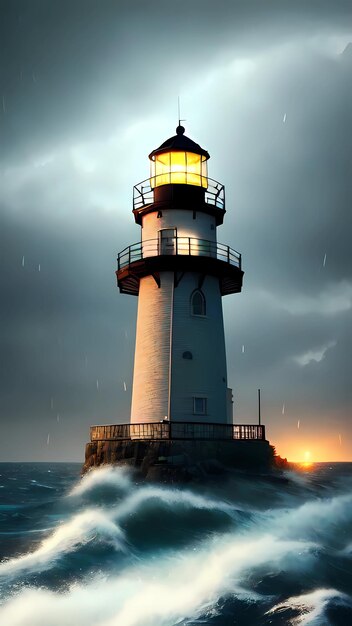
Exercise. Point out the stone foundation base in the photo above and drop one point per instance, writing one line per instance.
(181, 460)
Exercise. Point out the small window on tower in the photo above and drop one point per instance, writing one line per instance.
(198, 303)
(199, 405)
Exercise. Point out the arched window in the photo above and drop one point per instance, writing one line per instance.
(198, 303)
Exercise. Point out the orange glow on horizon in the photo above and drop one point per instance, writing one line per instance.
(310, 450)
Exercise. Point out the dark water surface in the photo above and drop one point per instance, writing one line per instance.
(107, 551)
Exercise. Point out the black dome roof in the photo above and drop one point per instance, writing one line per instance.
(179, 142)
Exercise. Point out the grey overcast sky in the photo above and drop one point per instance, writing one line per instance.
(87, 90)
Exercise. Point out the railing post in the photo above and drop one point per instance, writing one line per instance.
(228, 254)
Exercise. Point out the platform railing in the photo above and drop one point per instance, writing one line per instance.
(157, 431)
(143, 193)
(187, 246)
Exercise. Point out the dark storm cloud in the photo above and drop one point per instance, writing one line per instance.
(73, 68)
(84, 86)
(61, 331)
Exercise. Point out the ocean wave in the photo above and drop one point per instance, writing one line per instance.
(255, 557)
(82, 528)
(174, 498)
(102, 524)
(319, 519)
(155, 594)
(312, 607)
(102, 477)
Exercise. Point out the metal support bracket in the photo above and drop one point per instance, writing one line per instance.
(178, 278)
(157, 279)
(201, 281)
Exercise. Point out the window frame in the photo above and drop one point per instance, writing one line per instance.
(204, 412)
(204, 303)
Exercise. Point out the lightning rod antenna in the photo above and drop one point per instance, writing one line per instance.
(179, 111)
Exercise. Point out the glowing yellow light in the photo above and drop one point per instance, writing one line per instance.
(185, 168)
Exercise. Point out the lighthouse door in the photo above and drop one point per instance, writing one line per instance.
(167, 241)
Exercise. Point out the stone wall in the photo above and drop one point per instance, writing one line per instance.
(176, 460)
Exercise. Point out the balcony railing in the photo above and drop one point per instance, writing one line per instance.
(177, 430)
(187, 246)
(143, 193)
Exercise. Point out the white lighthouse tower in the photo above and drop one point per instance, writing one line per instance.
(180, 273)
(181, 425)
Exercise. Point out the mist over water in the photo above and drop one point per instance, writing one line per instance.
(106, 550)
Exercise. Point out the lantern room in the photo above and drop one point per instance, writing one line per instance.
(179, 160)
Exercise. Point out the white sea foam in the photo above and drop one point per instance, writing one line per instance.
(168, 497)
(105, 476)
(157, 594)
(317, 516)
(311, 606)
(67, 537)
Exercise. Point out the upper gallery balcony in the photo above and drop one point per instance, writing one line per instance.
(161, 190)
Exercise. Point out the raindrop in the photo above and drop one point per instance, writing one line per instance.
(298, 423)
(51, 403)
(58, 417)
(284, 119)
(39, 267)
(48, 439)
(242, 349)
(283, 409)
(23, 261)
(324, 261)
(340, 439)
(124, 386)
(97, 384)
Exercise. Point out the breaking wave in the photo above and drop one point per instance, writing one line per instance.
(101, 479)
(155, 556)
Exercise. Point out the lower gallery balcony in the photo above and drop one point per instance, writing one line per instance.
(179, 254)
(165, 430)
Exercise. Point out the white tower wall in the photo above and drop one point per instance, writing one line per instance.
(204, 375)
(201, 227)
(150, 393)
(165, 384)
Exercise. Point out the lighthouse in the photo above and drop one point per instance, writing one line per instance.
(180, 272)
(181, 411)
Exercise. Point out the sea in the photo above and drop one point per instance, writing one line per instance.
(109, 550)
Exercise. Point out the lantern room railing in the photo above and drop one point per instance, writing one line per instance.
(178, 430)
(143, 193)
(187, 246)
